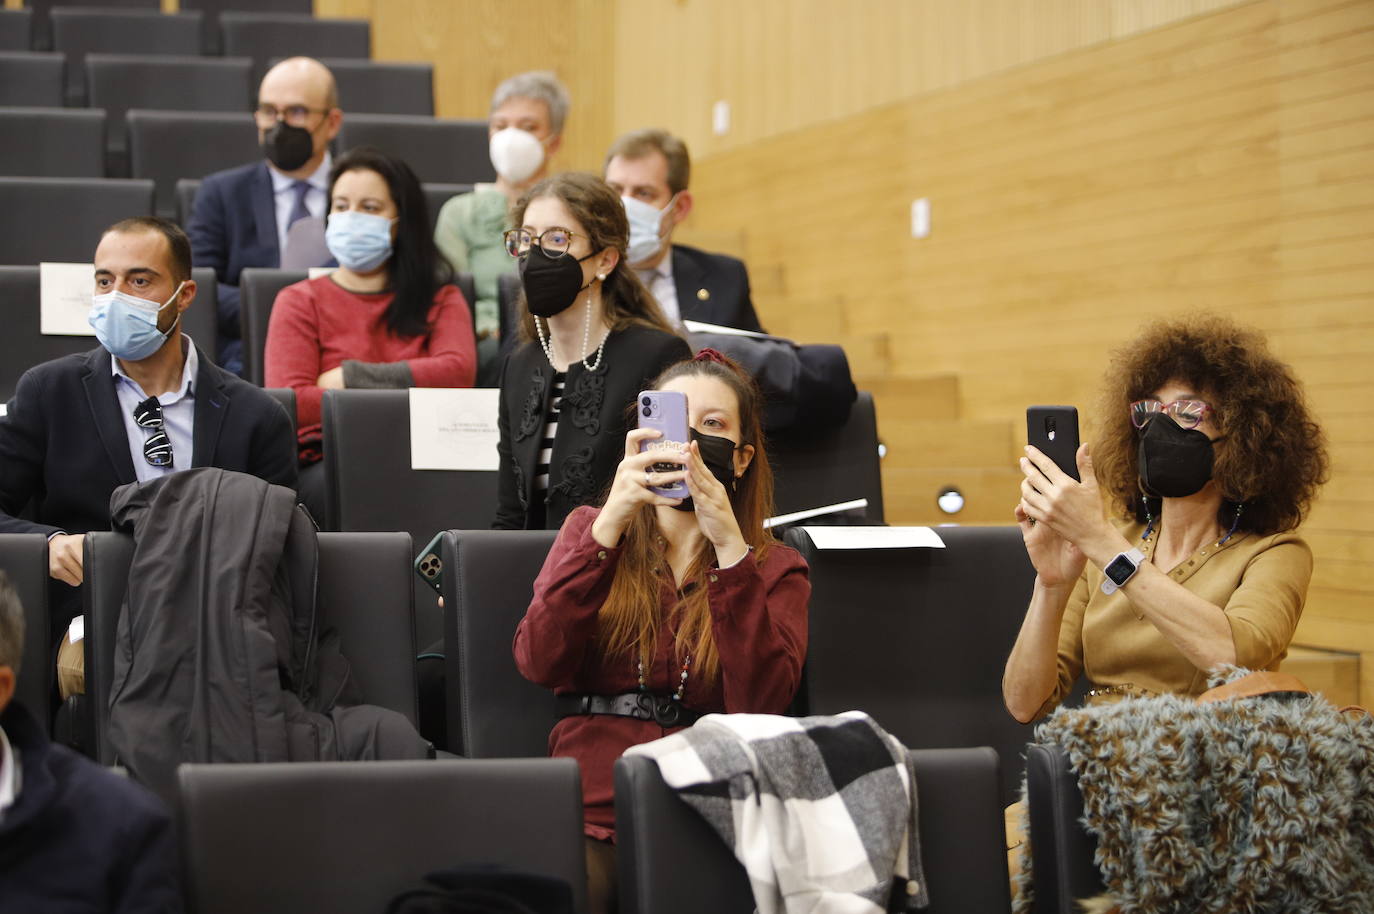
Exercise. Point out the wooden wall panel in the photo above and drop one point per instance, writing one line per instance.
(786, 64)
(474, 44)
(1224, 162)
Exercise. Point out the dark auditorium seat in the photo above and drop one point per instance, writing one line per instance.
(364, 593)
(440, 150)
(52, 142)
(347, 837)
(118, 82)
(382, 87)
(213, 40)
(24, 559)
(951, 615)
(29, 79)
(493, 711)
(670, 861)
(258, 288)
(267, 36)
(79, 31)
(22, 345)
(186, 190)
(812, 469)
(16, 32)
(508, 305)
(1061, 848)
(159, 150)
(60, 219)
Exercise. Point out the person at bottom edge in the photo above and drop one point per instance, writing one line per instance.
(73, 835)
(651, 611)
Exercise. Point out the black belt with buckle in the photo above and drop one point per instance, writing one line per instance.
(663, 710)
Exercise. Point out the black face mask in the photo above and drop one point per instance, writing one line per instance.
(551, 284)
(1174, 462)
(288, 147)
(719, 456)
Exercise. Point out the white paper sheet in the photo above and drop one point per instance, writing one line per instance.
(76, 630)
(64, 298)
(317, 272)
(815, 512)
(874, 538)
(702, 327)
(453, 428)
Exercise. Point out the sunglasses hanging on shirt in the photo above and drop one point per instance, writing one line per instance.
(157, 448)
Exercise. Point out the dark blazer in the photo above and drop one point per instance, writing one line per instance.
(64, 448)
(234, 225)
(592, 422)
(713, 288)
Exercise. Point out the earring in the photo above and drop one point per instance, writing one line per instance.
(601, 276)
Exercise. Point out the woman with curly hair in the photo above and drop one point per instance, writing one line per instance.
(1210, 458)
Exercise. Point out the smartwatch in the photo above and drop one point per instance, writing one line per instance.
(1120, 569)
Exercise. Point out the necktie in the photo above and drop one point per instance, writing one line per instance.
(298, 210)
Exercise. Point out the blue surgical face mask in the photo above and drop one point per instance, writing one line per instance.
(359, 241)
(645, 220)
(127, 325)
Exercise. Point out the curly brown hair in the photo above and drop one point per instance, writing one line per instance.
(624, 298)
(1271, 457)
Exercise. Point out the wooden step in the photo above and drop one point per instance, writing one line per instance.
(990, 494)
(1335, 674)
(900, 398)
(948, 442)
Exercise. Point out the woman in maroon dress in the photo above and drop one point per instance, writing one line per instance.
(652, 611)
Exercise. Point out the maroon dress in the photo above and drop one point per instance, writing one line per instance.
(758, 617)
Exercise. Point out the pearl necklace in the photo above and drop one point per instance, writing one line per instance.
(545, 343)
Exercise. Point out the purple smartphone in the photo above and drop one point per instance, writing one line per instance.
(665, 410)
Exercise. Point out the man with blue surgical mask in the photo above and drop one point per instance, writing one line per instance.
(146, 402)
(650, 170)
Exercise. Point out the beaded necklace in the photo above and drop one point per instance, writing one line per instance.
(545, 343)
(682, 679)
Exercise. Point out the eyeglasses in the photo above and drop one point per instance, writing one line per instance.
(157, 449)
(553, 242)
(1187, 413)
(295, 115)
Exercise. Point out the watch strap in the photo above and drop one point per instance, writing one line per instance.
(1135, 557)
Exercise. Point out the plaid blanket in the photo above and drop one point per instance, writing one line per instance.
(820, 810)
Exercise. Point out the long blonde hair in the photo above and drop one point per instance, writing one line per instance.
(630, 619)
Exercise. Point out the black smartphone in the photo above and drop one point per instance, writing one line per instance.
(429, 566)
(1054, 430)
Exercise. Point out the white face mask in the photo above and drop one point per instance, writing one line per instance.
(515, 154)
(645, 220)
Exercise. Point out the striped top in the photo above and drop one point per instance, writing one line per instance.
(541, 469)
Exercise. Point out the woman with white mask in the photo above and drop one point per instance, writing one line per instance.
(525, 129)
(388, 317)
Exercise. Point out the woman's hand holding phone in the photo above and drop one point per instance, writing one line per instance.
(715, 514)
(1059, 515)
(630, 489)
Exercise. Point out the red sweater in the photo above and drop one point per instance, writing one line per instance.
(317, 324)
(758, 618)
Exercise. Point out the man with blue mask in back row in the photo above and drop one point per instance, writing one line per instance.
(147, 402)
(650, 169)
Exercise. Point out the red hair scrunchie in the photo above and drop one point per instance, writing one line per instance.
(712, 355)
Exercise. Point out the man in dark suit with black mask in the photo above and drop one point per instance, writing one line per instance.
(145, 403)
(241, 216)
(650, 170)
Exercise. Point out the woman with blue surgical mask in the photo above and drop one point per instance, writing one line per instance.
(525, 130)
(388, 317)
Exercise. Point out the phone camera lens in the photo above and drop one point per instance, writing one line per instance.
(648, 412)
(646, 401)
